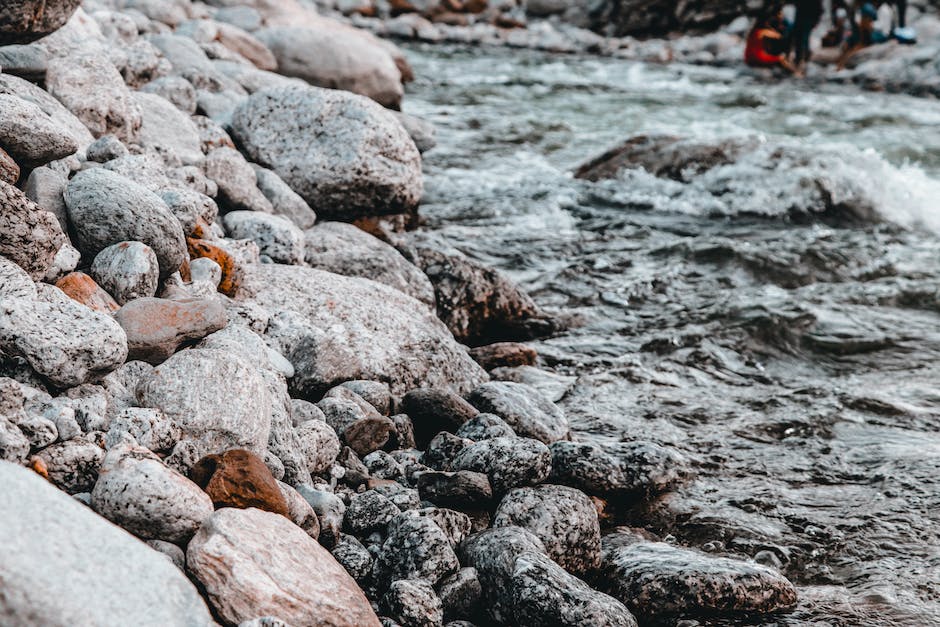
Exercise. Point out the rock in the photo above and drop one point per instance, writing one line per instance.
(218, 400)
(137, 492)
(413, 603)
(319, 445)
(149, 428)
(360, 162)
(82, 288)
(72, 465)
(193, 210)
(368, 512)
(421, 131)
(230, 267)
(62, 340)
(132, 584)
(253, 563)
(485, 427)
(327, 55)
(14, 282)
(92, 89)
(177, 91)
(416, 548)
(622, 468)
(524, 408)
(239, 478)
(300, 511)
(381, 465)
(563, 518)
(106, 148)
(443, 449)
(345, 249)
(354, 557)
(455, 525)
(169, 550)
(29, 236)
(30, 136)
(156, 327)
(508, 462)
(14, 444)
(127, 270)
(504, 355)
(478, 304)
(404, 436)
(9, 169)
(433, 410)
(238, 190)
(166, 130)
(349, 329)
(368, 434)
(463, 489)
(61, 116)
(276, 236)
(330, 510)
(105, 208)
(657, 580)
(39, 433)
(23, 21)
(461, 594)
(29, 62)
(285, 201)
(46, 187)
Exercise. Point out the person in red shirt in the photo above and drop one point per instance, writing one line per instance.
(764, 44)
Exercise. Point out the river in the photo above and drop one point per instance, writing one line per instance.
(792, 355)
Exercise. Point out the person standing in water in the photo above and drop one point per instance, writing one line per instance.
(808, 14)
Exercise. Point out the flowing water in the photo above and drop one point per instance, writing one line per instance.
(776, 319)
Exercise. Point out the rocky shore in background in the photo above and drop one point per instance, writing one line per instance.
(237, 386)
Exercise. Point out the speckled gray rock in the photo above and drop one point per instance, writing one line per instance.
(345, 249)
(253, 563)
(376, 393)
(61, 339)
(434, 410)
(300, 511)
(29, 235)
(454, 524)
(126, 271)
(416, 548)
(39, 432)
(14, 282)
(459, 489)
(485, 427)
(369, 511)
(166, 130)
(61, 116)
(628, 467)
(413, 603)
(30, 136)
(14, 445)
(508, 462)
(237, 182)
(190, 207)
(360, 162)
(350, 328)
(106, 208)
(354, 557)
(319, 445)
(421, 131)
(175, 89)
(381, 465)
(443, 449)
(564, 519)
(132, 584)
(46, 187)
(276, 236)
(330, 510)
(460, 594)
(136, 491)
(91, 88)
(148, 427)
(73, 465)
(524, 408)
(106, 148)
(218, 400)
(657, 580)
(23, 21)
(285, 201)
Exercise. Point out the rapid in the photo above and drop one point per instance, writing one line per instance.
(776, 318)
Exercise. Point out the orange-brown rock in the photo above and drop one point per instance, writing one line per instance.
(231, 271)
(504, 21)
(401, 6)
(452, 19)
(9, 170)
(453, 5)
(239, 478)
(157, 327)
(475, 6)
(508, 354)
(82, 288)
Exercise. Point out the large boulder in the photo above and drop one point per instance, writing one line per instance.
(23, 21)
(344, 154)
(350, 328)
(637, 468)
(60, 116)
(30, 136)
(167, 130)
(29, 235)
(127, 582)
(253, 563)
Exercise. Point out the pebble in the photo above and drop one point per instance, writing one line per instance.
(72, 465)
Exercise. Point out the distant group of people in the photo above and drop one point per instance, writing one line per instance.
(775, 41)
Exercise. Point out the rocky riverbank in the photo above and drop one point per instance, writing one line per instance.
(235, 388)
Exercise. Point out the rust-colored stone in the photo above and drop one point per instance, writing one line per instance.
(239, 478)
(401, 6)
(9, 170)
(231, 272)
(453, 5)
(38, 466)
(508, 354)
(504, 21)
(475, 6)
(82, 288)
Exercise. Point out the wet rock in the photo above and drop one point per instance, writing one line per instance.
(136, 491)
(460, 594)
(166, 130)
(132, 584)
(413, 603)
(657, 580)
(127, 271)
(239, 478)
(443, 449)
(563, 518)
(285, 201)
(434, 410)
(330, 510)
(29, 235)
(73, 465)
(416, 548)
(458, 489)
(238, 190)
(253, 563)
(508, 462)
(106, 208)
(276, 236)
(328, 55)
(30, 136)
(300, 511)
(383, 334)
(485, 427)
(319, 445)
(383, 178)
(149, 428)
(218, 400)
(504, 355)
(345, 249)
(631, 467)
(524, 408)
(157, 327)
(82, 289)
(354, 557)
(369, 511)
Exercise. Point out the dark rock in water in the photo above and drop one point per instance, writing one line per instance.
(443, 449)
(459, 489)
(416, 548)
(657, 580)
(239, 478)
(657, 17)
(563, 518)
(524, 408)
(23, 21)
(413, 603)
(354, 557)
(508, 462)
(629, 467)
(485, 427)
(460, 594)
(369, 511)
(504, 354)
(432, 411)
